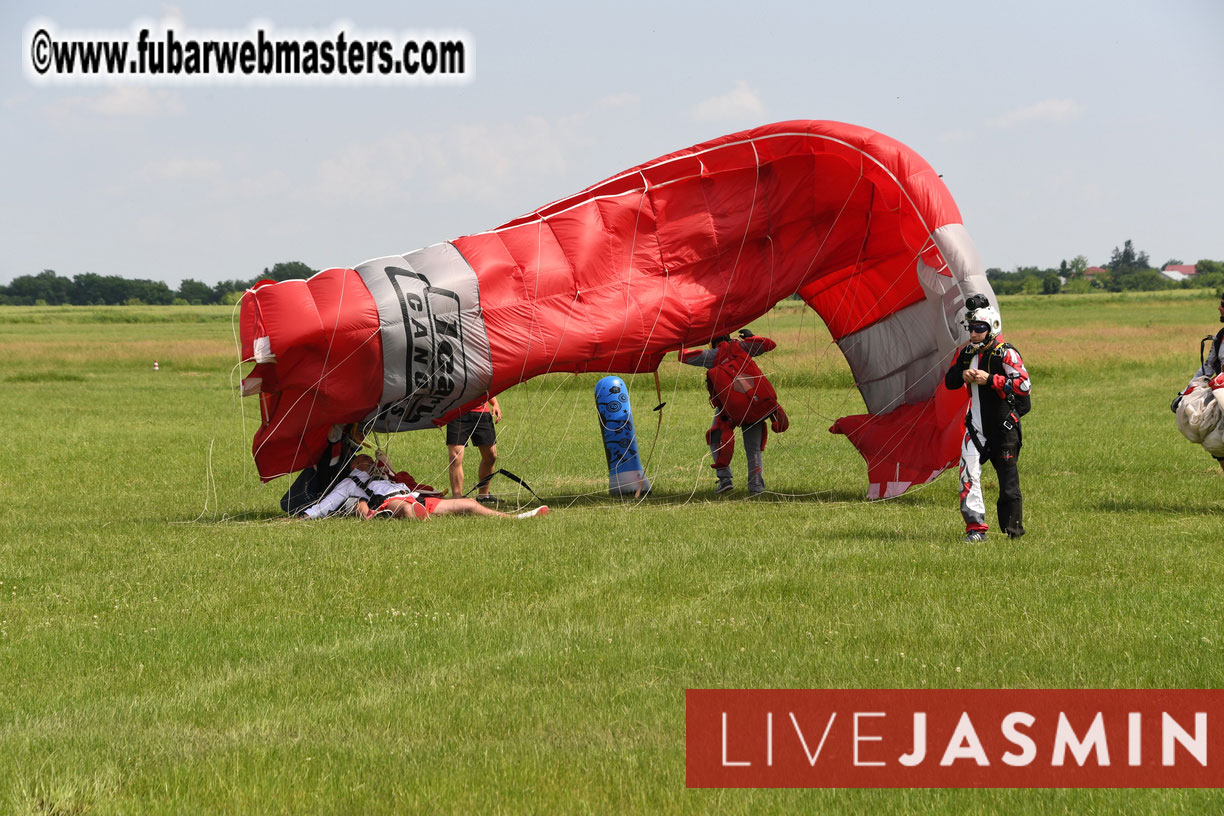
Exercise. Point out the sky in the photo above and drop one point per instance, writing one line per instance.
(1061, 128)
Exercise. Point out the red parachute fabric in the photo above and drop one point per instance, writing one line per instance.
(664, 256)
(704, 241)
(910, 445)
(325, 367)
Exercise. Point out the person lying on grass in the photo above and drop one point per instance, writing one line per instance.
(366, 493)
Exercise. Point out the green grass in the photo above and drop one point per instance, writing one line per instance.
(168, 646)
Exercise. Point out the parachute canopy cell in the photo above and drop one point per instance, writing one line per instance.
(665, 255)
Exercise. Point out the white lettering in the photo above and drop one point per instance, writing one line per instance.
(916, 756)
(769, 739)
(726, 762)
(964, 744)
(1028, 748)
(1171, 732)
(810, 756)
(1134, 739)
(1065, 737)
(857, 738)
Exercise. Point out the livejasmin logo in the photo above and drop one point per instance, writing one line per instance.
(954, 738)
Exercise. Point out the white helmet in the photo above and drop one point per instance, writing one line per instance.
(979, 310)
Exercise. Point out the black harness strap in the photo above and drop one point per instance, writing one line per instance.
(485, 482)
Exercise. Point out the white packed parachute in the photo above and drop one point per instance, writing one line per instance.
(1200, 411)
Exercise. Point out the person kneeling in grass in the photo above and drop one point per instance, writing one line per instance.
(370, 496)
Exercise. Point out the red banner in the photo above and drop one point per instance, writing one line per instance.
(954, 738)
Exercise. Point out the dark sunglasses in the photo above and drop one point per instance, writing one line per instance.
(979, 328)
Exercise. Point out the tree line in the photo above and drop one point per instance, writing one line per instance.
(1127, 270)
(88, 289)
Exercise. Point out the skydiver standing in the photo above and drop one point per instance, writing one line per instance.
(759, 403)
(998, 396)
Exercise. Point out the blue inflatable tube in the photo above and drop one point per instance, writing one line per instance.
(625, 475)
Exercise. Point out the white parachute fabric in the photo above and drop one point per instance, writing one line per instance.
(902, 358)
(1200, 412)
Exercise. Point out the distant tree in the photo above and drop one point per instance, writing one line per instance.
(150, 291)
(288, 270)
(223, 288)
(196, 293)
(1051, 284)
(1103, 279)
(1077, 266)
(45, 286)
(1127, 259)
(1171, 262)
(104, 290)
(1141, 280)
(1210, 275)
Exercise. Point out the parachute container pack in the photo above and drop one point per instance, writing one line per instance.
(1200, 414)
(665, 255)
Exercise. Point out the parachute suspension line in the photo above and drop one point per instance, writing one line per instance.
(628, 273)
(331, 341)
(837, 309)
(628, 278)
(718, 316)
(896, 439)
(210, 486)
(314, 387)
(234, 314)
(541, 223)
(658, 410)
(842, 210)
(756, 187)
(933, 367)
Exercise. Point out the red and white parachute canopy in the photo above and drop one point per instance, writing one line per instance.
(666, 255)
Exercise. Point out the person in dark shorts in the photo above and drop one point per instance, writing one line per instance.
(474, 427)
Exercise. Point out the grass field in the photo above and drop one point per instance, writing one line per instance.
(168, 646)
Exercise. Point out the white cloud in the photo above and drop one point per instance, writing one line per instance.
(742, 101)
(179, 168)
(137, 101)
(119, 102)
(172, 15)
(957, 137)
(624, 99)
(374, 171)
(477, 162)
(1048, 110)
